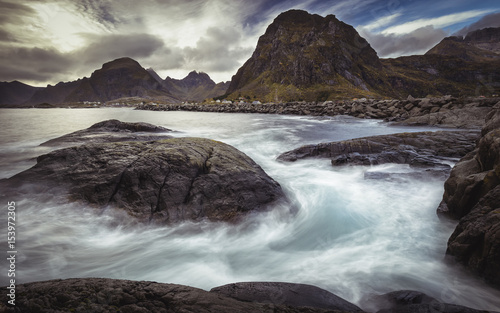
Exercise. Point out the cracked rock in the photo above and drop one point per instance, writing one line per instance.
(164, 181)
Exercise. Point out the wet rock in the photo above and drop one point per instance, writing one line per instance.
(164, 181)
(476, 240)
(472, 193)
(475, 174)
(424, 149)
(294, 295)
(112, 131)
(111, 295)
(408, 301)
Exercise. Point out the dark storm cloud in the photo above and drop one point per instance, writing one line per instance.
(37, 64)
(14, 13)
(217, 51)
(418, 41)
(104, 48)
(490, 20)
(33, 64)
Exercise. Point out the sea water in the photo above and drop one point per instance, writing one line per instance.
(351, 235)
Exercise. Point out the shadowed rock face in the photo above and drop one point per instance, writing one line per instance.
(165, 181)
(472, 193)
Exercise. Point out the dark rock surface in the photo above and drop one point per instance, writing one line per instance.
(111, 131)
(476, 240)
(472, 193)
(408, 301)
(470, 117)
(423, 149)
(165, 181)
(102, 295)
(108, 295)
(295, 295)
(477, 173)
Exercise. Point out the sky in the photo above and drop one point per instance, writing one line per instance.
(45, 42)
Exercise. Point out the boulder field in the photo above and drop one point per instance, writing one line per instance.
(444, 111)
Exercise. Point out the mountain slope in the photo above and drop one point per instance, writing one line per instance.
(308, 56)
(16, 93)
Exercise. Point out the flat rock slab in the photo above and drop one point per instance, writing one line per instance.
(405, 148)
(165, 181)
(111, 131)
(295, 295)
(111, 295)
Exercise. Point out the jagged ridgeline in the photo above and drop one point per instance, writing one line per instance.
(308, 57)
(301, 56)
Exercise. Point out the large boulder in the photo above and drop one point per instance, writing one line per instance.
(110, 295)
(295, 295)
(165, 181)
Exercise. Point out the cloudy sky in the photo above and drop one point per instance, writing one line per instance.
(44, 42)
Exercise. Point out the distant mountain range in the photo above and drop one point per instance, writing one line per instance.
(118, 79)
(301, 56)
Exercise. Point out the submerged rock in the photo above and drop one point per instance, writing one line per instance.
(111, 131)
(167, 181)
(420, 150)
(111, 295)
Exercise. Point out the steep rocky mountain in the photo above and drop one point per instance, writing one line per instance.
(120, 78)
(304, 56)
(16, 93)
(196, 86)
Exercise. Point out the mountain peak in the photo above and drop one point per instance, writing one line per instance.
(306, 50)
(121, 63)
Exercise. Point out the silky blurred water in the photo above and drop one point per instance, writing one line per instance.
(352, 236)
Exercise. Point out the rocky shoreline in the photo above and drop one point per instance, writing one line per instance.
(443, 111)
(83, 295)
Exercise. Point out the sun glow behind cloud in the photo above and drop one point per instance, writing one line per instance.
(63, 27)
